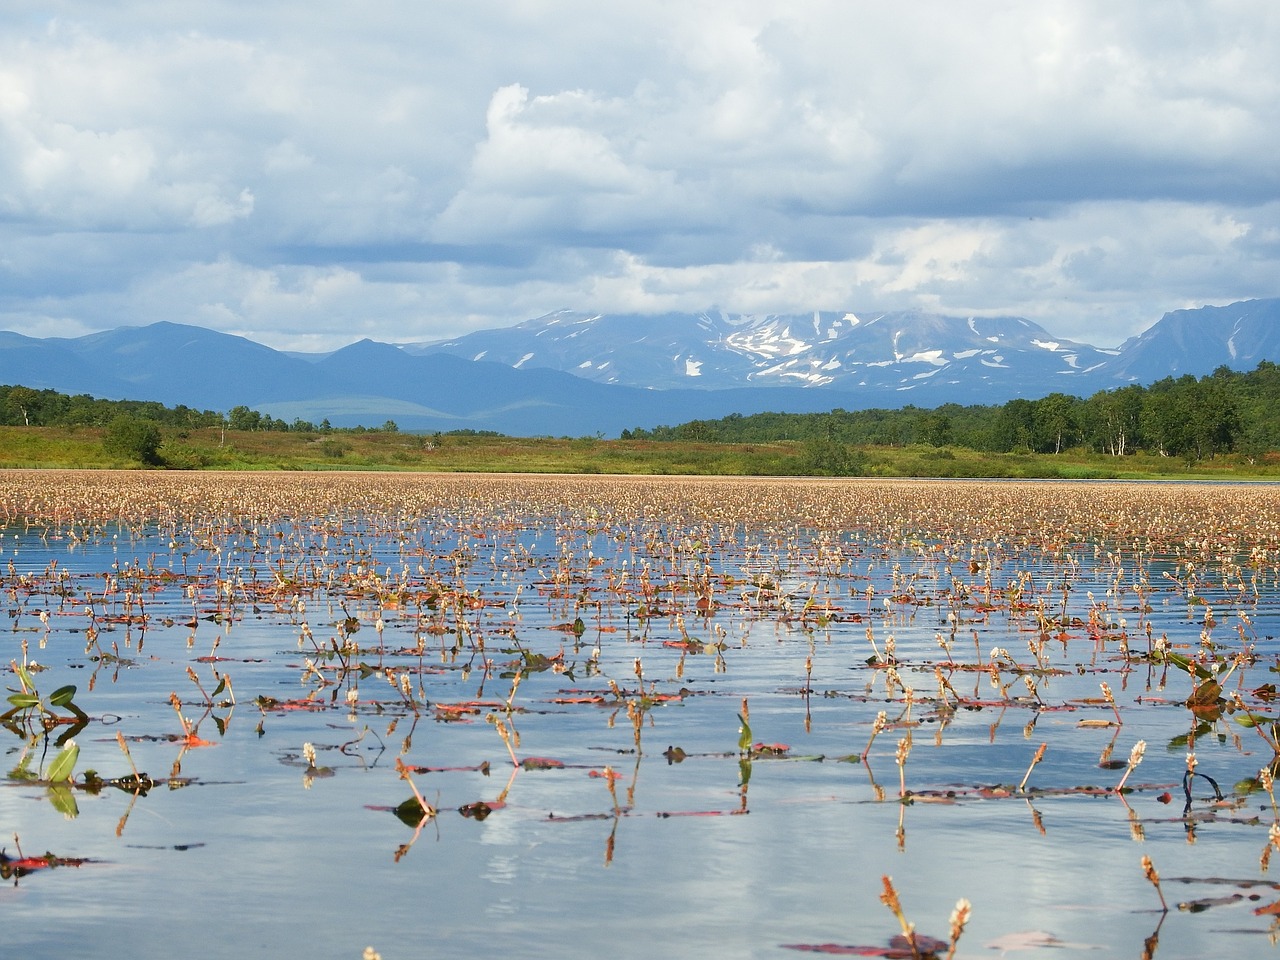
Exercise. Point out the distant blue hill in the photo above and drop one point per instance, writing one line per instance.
(573, 374)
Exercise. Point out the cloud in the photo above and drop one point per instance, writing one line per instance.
(407, 177)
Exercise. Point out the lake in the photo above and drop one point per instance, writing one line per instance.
(579, 716)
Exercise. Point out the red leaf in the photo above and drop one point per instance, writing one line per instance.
(769, 749)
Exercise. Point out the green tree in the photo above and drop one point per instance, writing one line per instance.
(242, 418)
(1215, 420)
(936, 429)
(1115, 418)
(134, 439)
(1014, 427)
(1055, 422)
(21, 401)
(1164, 417)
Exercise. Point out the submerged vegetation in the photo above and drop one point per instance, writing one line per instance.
(586, 670)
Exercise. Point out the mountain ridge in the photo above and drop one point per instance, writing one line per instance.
(822, 349)
(582, 373)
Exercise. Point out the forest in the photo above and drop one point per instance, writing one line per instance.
(27, 407)
(1186, 417)
(1190, 418)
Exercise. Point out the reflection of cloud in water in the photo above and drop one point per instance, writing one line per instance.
(803, 866)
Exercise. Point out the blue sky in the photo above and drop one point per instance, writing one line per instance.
(306, 174)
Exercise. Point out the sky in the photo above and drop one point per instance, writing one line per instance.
(308, 174)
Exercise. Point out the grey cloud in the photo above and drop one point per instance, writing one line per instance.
(438, 168)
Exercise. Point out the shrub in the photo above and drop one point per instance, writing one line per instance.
(183, 456)
(133, 438)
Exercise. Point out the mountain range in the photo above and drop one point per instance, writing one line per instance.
(573, 373)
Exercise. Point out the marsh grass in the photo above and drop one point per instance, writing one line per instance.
(215, 449)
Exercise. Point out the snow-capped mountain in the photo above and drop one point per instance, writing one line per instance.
(638, 371)
(1238, 336)
(904, 352)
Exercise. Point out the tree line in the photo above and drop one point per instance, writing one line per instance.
(1187, 417)
(28, 407)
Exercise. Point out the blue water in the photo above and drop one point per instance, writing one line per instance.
(241, 850)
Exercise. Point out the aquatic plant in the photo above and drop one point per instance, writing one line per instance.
(431, 607)
(29, 707)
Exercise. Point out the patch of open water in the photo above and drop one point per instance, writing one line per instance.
(637, 824)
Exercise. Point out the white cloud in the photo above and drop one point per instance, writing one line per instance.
(1083, 164)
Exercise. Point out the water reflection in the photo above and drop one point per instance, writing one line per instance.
(695, 736)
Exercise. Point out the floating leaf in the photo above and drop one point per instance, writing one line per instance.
(411, 812)
(20, 866)
(899, 947)
(769, 749)
(1205, 695)
(478, 810)
(541, 763)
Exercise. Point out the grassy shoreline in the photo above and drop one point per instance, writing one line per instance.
(215, 449)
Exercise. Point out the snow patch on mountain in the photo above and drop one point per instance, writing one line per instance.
(1231, 340)
(870, 353)
(768, 342)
